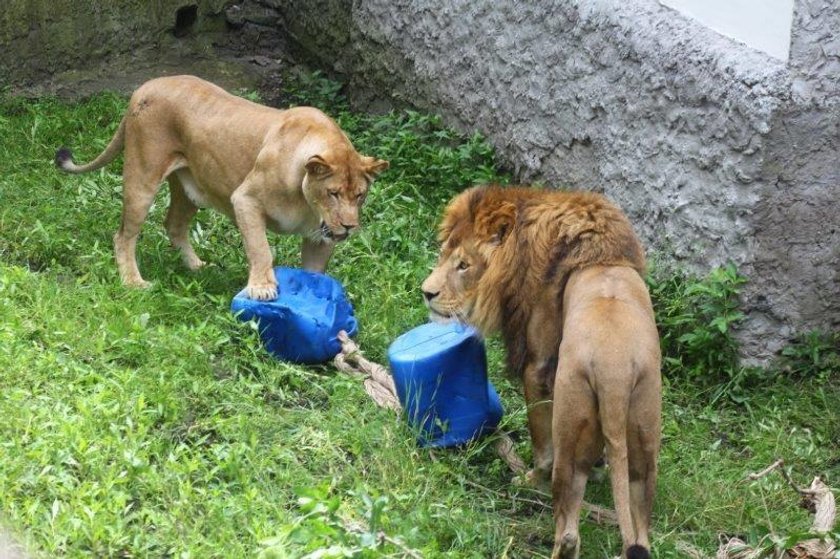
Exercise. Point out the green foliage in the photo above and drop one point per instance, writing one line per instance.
(421, 150)
(814, 353)
(315, 90)
(322, 533)
(152, 424)
(696, 318)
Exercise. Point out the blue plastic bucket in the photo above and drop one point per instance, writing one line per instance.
(440, 372)
(302, 324)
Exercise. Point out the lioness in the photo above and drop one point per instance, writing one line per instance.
(544, 266)
(291, 171)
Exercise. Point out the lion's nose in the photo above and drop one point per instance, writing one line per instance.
(348, 228)
(429, 295)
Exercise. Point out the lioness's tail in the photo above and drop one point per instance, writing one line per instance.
(614, 410)
(64, 157)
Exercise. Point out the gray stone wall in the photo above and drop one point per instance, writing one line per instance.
(76, 48)
(795, 251)
(43, 37)
(718, 152)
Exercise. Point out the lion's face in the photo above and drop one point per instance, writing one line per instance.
(462, 285)
(336, 187)
(450, 290)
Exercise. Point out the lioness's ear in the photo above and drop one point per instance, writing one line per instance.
(317, 167)
(374, 166)
(495, 225)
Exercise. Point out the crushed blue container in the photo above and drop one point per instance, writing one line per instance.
(302, 324)
(440, 372)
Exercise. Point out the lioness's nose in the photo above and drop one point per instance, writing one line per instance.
(348, 228)
(429, 295)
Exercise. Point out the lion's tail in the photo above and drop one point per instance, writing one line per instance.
(614, 410)
(64, 157)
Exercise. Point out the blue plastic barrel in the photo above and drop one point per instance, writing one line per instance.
(440, 372)
(302, 324)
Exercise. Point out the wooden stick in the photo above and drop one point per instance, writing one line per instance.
(505, 449)
(596, 513)
(757, 475)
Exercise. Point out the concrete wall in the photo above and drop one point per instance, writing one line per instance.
(762, 24)
(717, 151)
(75, 48)
(46, 36)
(795, 258)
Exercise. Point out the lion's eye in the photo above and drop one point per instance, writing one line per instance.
(334, 193)
(463, 266)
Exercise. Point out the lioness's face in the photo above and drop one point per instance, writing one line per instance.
(336, 187)
(450, 290)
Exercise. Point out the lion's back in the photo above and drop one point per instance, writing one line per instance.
(551, 234)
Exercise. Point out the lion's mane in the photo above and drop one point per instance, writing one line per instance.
(532, 240)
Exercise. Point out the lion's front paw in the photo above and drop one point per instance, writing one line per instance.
(262, 292)
(535, 479)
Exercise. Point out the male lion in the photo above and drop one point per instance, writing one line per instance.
(544, 266)
(291, 171)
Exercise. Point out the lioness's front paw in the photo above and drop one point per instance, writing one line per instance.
(138, 283)
(262, 292)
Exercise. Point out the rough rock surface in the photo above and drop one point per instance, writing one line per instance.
(717, 151)
(795, 254)
(74, 49)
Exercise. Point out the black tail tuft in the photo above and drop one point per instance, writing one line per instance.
(637, 552)
(62, 156)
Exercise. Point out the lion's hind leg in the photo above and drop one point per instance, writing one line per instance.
(178, 217)
(578, 445)
(643, 435)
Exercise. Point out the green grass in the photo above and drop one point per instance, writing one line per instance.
(151, 423)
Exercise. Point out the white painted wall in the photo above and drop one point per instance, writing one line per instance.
(761, 24)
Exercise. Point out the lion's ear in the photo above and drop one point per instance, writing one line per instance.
(316, 166)
(374, 166)
(497, 223)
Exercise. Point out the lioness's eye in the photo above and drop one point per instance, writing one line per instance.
(334, 193)
(463, 265)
